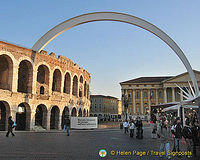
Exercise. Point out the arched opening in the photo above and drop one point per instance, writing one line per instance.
(91, 115)
(65, 115)
(81, 79)
(6, 72)
(41, 116)
(67, 83)
(4, 114)
(80, 92)
(73, 112)
(56, 81)
(75, 86)
(43, 79)
(85, 89)
(43, 75)
(54, 119)
(84, 113)
(25, 76)
(23, 117)
(80, 112)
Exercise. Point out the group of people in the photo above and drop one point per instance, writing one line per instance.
(165, 130)
(132, 125)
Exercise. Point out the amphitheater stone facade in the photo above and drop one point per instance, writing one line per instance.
(38, 89)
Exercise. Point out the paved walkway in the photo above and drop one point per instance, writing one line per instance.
(80, 145)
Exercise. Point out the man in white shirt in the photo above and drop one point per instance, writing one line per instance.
(126, 125)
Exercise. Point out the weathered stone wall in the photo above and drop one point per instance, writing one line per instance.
(50, 98)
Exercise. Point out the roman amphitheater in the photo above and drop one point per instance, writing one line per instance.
(38, 89)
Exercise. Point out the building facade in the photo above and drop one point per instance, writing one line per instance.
(144, 92)
(38, 89)
(104, 107)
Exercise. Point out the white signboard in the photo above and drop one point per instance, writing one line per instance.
(84, 122)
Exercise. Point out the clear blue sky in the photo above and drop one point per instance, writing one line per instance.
(111, 51)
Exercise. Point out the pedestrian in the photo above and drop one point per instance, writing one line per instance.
(139, 126)
(10, 127)
(154, 132)
(187, 134)
(126, 125)
(177, 132)
(195, 139)
(132, 127)
(164, 136)
(66, 125)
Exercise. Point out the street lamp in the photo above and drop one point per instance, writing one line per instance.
(125, 101)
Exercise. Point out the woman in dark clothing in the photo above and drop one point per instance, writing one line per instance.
(139, 126)
(10, 126)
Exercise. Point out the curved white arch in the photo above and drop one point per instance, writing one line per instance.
(120, 17)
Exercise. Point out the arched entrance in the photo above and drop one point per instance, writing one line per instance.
(73, 112)
(65, 115)
(6, 72)
(75, 86)
(23, 117)
(119, 17)
(4, 114)
(56, 81)
(54, 119)
(67, 83)
(80, 112)
(41, 116)
(43, 78)
(25, 76)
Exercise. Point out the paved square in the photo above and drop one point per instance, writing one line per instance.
(80, 145)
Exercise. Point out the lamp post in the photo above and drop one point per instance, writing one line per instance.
(125, 101)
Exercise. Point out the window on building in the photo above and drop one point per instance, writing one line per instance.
(152, 94)
(145, 94)
(145, 85)
(137, 85)
(137, 95)
(152, 85)
(160, 94)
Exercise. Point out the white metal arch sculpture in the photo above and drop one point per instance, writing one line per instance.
(120, 17)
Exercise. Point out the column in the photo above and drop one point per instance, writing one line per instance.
(181, 95)
(142, 107)
(173, 94)
(134, 107)
(48, 120)
(156, 96)
(165, 95)
(34, 80)
(149, 100)
(15, 78)
(32, 121)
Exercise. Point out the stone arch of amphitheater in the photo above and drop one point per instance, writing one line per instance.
(42, 93)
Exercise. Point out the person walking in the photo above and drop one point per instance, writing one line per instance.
(10, 127)
(195, 139)
(67, 123)
(132, 127)
(187, 134)
(177, 132)
(139, 126)
(164, 136)
(126, 125)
